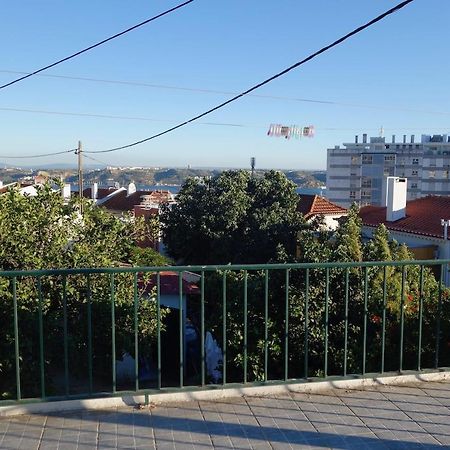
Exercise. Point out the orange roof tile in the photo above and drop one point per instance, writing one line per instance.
(313, 205)
(423, 216)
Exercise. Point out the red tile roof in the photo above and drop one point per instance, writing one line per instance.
(423, 216)
(123, 202)
(312, 205)
(169, 284)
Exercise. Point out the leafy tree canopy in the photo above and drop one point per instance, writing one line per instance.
(233, 218)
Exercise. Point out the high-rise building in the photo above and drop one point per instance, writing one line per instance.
(357, 171)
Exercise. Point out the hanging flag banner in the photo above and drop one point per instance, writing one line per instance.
(292, 131)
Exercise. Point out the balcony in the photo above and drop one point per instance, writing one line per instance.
(100, 334)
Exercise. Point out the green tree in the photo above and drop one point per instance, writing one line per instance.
(233, 218)
(44, 232)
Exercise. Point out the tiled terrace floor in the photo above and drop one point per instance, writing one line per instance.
(395, 417)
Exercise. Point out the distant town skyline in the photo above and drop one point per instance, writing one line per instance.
(393, 75)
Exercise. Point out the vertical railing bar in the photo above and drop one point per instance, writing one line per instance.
(402, 317)
(383, 331)
(136, 332)
(181, 327)
(266, 325)
(306, 332)
(245, 323)
(286, 328)
(366, 290)
(89, 327)
(438, 321)
(419, 344)
(66, 344)
(327, 293)
(224, 327)
(16, 338)
(158, 327)
(113, 331)
(346, 320)
(202, 326)
(41, 339)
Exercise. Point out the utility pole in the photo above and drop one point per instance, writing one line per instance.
(446, 224)
(79, 152)
(252, 164)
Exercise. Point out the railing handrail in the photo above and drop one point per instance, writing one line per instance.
(221, 267)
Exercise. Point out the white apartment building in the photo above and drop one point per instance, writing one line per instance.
(356, 172)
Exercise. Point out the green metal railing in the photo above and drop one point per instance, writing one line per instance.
(278, 323)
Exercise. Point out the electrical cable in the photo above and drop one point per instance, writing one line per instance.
(38, 156)
(145, 22)
(268, 80)
(95, 159)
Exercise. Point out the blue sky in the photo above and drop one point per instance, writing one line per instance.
(400, 68)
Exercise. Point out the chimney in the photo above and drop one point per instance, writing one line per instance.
(412, 139)
(364, 138)
(66, 191)
(131, 189)
(356, 139)
(94, 191)
(395, 198)
(393, 138)
(404, 138)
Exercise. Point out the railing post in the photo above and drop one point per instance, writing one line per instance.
(402, 317)
(113, 331)
(158, 327)
(419, 345)
(286, 328)
(16, 338)
(89, 328)
(202, 326)
(41, 339)
(366, 290)
(181, 327)
(327, 293)
(266, 320)
(383, 331)
(245, 323)
(438, 319)
(346, 320)
(136, 331)
(66, 344)
(306, 331)
(224, 327)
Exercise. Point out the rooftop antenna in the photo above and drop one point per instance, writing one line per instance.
(381, 131)
(252, 164)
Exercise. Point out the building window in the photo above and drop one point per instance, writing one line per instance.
(366, 183)
(413, 185)
(389, 158)
(366, 194)
(431, 174)
(355, 160)
(415, 173)
(352, 195)
(367, 159)
(446, 173)
(415, 161)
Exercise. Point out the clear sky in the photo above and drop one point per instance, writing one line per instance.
(399, 67)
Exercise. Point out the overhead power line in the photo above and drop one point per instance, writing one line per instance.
(67, 58)
(38, 156)
(220, 92)
(267, 81)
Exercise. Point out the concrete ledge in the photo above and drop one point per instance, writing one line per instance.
(214, 394)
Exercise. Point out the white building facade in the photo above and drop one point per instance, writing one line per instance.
(357, 171)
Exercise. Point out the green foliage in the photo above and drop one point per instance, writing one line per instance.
(233, 218)
(43, 232)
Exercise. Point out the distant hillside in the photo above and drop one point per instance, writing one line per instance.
(148, 176)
